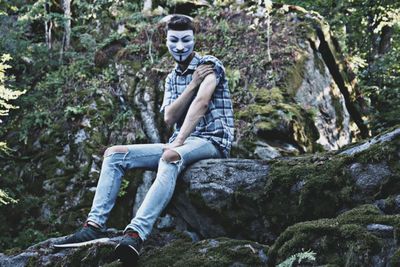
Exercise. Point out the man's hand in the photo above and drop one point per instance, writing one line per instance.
(200, 73)
(174, 111)
(176, 143)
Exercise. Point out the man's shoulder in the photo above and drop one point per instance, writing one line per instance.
(170, 74)
(210, 58)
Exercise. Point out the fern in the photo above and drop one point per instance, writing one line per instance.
(298, 257)
(6, 94)
(5, 198)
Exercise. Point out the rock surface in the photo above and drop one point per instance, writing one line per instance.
(293, 205)
(176, 250)
(246, 199)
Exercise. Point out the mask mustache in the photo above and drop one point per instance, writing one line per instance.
(180, 51)
(180, 54)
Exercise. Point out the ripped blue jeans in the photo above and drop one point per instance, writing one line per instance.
(146, 156)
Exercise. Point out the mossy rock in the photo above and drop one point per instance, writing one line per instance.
(343, 241)
(209, 252)
(258, 200)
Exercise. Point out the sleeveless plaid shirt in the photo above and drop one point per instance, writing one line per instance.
(217, 124)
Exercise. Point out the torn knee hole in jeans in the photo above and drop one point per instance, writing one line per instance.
(175, 162)
(171, 156)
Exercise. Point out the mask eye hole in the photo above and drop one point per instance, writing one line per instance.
(173, 40)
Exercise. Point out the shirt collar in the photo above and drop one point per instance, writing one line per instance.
(192, 65)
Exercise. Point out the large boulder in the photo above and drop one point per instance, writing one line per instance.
(173, 250)
(312, 203)
(297, 203)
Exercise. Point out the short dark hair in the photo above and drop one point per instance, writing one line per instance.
(180, 23)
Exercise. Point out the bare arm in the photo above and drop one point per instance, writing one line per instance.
(196, 110)
(174, 111)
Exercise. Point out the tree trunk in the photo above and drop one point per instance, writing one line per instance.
(67, 24)
(48, 25)
(147, 6)
(385, 40)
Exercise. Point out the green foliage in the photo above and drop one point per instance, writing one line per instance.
(7, 7)
(368, 33)
(5, 198)
(6, 95)
(30, 236)
(233, 77)
(74, 111)
(381, 84)
(124, 187)
(299, 257)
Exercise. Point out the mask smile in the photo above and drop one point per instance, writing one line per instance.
(180, 44)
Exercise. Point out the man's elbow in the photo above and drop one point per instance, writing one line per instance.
(202, 103)
(168, 120)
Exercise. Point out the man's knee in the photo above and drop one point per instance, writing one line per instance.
(170, 155)
(115, 149)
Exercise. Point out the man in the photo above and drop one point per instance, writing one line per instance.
(197, 102)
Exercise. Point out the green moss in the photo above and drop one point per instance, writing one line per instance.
(274, 119)
(271, 96)
(319, 63)
(255, 110)
(386, 153)
(343, 241)
(32, 262)
(395, 260)
(295, 75)
(380, 152)
(337, 105)
(93, 256)
(316, 186)
(301, 189)
(317, 180)
(97, 138)
(265, 126)
(210, 252)
(12, 251)
(113, 264)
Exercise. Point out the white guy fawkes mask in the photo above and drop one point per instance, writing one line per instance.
(180, 44)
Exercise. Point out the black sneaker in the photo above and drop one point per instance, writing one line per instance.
(129, 247)
(87, 235)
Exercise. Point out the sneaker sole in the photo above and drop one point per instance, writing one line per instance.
(81, 244)
(126, 254)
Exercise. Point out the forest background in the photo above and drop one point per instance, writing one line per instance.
(47, 49)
